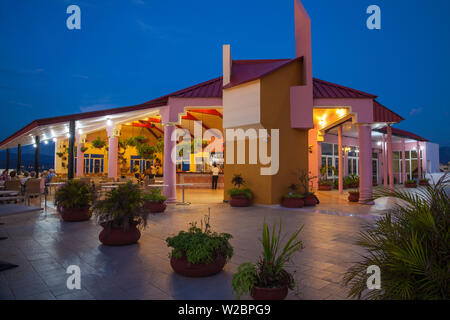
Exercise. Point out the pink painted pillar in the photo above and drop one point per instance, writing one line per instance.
(170, 173)
(315, 156)
(80, 139)
(419, 163)
(403, 162)
(341, 165)
(113, 150)
(365, 164)
(385, 163)
(389, 158)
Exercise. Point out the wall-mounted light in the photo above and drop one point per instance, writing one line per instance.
(34, 145)
(80, 131)
(379, 143)
(68, 135)
(45, 142)
(55, 140)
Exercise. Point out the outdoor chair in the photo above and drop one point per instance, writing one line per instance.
(33, 189)
(13, 185)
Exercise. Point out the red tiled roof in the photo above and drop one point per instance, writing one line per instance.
(383, 114)
(213, 88)
(328, 90)
(403, 134)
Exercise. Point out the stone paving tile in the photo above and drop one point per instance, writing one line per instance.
(44, 247)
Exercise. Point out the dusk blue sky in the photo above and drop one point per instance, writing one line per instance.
(131, 51)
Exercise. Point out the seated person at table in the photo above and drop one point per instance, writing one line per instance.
(51, 174)
(13, 176)
(4, 176)
(26, 176)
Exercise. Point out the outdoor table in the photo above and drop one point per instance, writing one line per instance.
(182, 186)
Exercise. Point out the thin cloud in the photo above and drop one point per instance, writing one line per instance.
(139, 2)
(148, 28)
(80, 76)
(20, 104)
(415, 111)
(97, 104)
(23, 72)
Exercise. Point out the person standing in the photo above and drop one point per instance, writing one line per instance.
(215, 176)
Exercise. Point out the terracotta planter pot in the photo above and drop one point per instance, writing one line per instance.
(424, 183)
(155, 207)
(410, 185)
(269, 293)
(75, 215)
(353, 197)
(325, 187)
(114, 236)
(239, 201)
(310, 201)
(292, 203)
(183, 267)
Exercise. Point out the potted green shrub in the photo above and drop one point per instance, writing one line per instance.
(240, 197)
(73, 201)
(353, 181)
(410, 246)
(353, 196)
(98, 143)
(267, 279)
(410, 184)
(293, 199)
(199, 252)
(309, 198)
(121, 215)
(324, 184)
(424, 182)
(154, 201)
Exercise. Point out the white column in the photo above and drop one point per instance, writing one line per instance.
(113, 150)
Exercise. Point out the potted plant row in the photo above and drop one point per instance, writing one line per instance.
(240, 197)
(122, 215)
(73, 201)
(268, 279)
(293, 199)
(199, 252)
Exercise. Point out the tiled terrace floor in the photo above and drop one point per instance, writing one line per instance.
(43, 246)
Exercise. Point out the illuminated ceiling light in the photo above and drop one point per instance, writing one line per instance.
(340, 112)
(68, 135)
(80, 131)
(34, 145)
(54, 140)
(45, 142)
(379, 143)
(109, 123)
(44, 137)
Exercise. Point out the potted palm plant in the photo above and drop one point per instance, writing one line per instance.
(410, 246)
(154, 201)
(73, 201)
(121, 215)
(240, 197)
(293, 199)
(410, 184)
(268, 279)
(199, 252)
(98, 143)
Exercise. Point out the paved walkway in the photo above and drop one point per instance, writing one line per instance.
(43, 246)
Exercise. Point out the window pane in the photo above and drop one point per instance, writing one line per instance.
(336, 149)
(414, 154)
(396, 155)
(327, 149)
(414, 169)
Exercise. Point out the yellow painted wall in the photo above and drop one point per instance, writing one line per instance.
(275, 114)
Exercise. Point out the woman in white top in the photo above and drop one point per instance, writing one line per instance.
(215, 176)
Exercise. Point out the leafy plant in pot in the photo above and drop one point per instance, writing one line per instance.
(74, 200)
(424, 182)
(199, 252)
(267, 279)
(154, 201)
(121, 215)
(306, 179)
(324, 184)
(293, 199)
(240, 197)
(410, 183)
(409, 244)
(353, 196)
